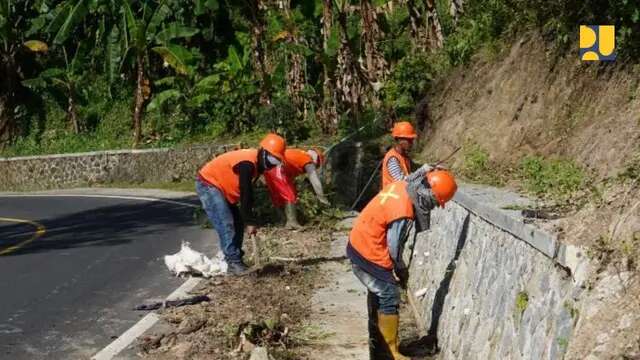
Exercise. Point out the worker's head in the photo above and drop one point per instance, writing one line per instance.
(434, 189)
(404, 135)
(272, 149)
(317, 155)
(443, 185)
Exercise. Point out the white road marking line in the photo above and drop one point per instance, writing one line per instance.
(143, 325)
(181, 203)
(127, 338)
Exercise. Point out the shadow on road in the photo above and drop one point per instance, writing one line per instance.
(100, 226)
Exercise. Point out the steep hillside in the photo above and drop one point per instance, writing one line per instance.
(527, 101)
(568, 132)
(530, 101)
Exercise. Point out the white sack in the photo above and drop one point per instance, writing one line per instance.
(189, 261)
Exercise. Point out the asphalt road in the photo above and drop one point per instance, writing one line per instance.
(70, 292)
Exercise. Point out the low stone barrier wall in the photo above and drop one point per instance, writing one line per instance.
(85, 169)
(487, 285)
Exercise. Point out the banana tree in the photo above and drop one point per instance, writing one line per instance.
(349, 77)
(328, 111)
(16, 26)
(375, 63)
(64, 83)
(227, 94)
(147, 29)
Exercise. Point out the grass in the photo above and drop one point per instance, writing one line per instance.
(522, 301)
(553, 178)
(632, 169)
(575, 313)
(563, 343)
(478, 167)
(186, 186)
(624, 253)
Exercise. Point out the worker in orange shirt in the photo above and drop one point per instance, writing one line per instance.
(227, 180)
(281, 181)
(397, 163)
(376, 244)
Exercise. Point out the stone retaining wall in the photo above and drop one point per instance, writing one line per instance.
(82, 169)
(490, 286)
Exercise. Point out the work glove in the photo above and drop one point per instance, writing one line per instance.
(418, 175)
(323, 199)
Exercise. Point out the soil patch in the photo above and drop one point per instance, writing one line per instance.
(269, 307)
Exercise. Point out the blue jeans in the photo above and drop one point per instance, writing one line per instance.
(225, 218)
(386, 295)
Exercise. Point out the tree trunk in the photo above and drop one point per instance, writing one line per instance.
(375, 64)
(259, 57)
(295, 74)
(415, 20)
(5, 121)
(138, 101)
(348, 77)
(457, 8)
(71, 110)
(434, 36)
(7, 94)
(328, 111)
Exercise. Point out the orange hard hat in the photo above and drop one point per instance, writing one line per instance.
(275, 145)
(443, 185)
(320, 159)
(403, 129)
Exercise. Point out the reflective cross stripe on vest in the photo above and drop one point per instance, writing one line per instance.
(388, 194)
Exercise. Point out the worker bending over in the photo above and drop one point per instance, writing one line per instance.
(227, 180)
(281, 181)
(376, 244)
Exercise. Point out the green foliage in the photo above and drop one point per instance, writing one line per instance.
(486, 21)
(522, 301)
(477, 165)
(556, 178)
(282, 118)
(572, 310)
(310, 210)
(407, 83)
(205, 79)
(563, 343)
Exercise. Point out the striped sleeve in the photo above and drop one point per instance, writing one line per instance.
(395, 170)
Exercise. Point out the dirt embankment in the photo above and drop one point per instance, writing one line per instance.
(526, 100)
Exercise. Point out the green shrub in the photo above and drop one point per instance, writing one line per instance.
(478, 167)
(555, 178)
(522, 301)
(409, 81)
(283, 118)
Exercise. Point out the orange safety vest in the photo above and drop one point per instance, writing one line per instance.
(369, 234)
(295, 161)
(405, 164)
(219, 172)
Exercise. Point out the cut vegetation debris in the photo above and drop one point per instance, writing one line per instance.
(268, 308)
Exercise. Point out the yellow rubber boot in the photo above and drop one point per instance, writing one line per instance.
(388, 325)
